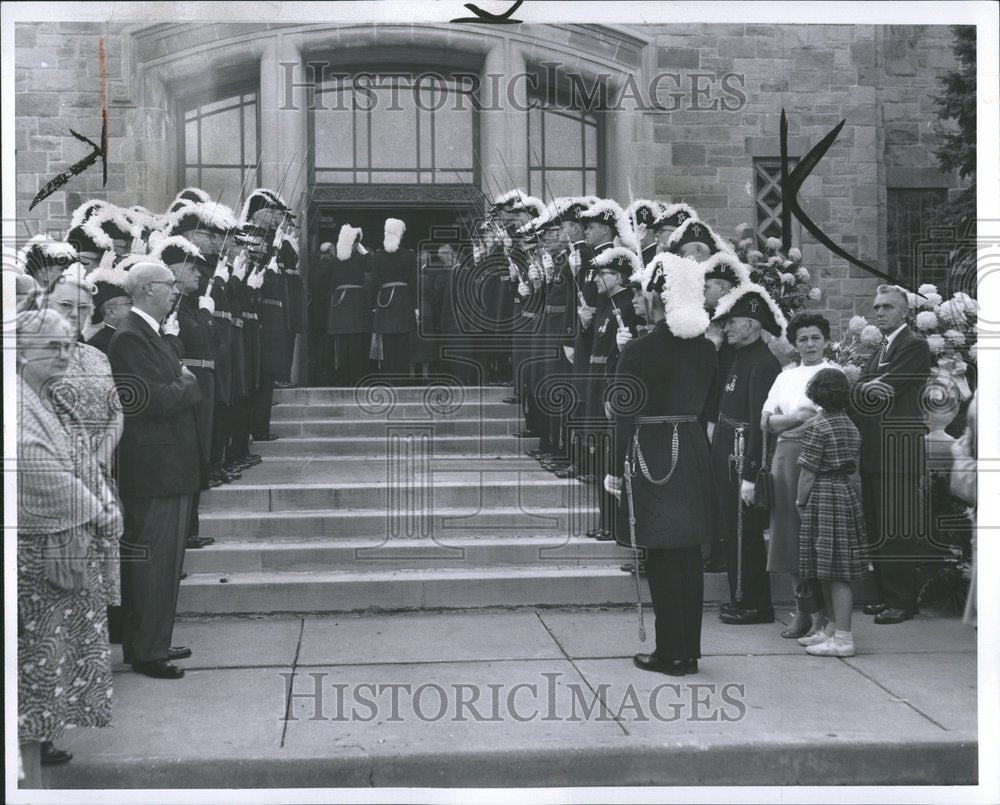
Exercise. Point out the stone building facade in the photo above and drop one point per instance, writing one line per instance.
(682, 112)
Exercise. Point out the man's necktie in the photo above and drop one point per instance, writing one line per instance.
(882, 350)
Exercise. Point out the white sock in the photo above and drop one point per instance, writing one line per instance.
(843, 637)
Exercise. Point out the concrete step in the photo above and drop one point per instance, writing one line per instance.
(376, 445)
(405, 498)
(374, 394)
(380, 427)
(373, 524)
(467, 409)
(417, 589)
(402, 554)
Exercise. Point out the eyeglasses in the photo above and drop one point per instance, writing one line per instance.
(68, 308)
(163, 282)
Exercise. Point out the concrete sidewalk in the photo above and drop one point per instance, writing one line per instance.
(528, 697)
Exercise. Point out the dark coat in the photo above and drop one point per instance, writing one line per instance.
(102, 338)
(159, 452)
(223, 335)
(275, 351)
(294, 302)
(586, 282)
(604, 348)
(196, 337)
(906, 367)
(394, 304)
(676, 376)
(350, 312)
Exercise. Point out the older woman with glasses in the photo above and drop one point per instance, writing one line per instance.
(67, 520)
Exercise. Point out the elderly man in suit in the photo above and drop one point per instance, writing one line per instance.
(158, 462)
(893, 427)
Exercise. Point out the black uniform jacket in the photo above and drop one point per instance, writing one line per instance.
(102, 338)
(394, 282)
(350, 312)
(158, 455)
(673, 377)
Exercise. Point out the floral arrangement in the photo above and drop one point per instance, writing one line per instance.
(782, 275)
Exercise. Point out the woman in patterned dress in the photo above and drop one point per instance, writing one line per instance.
(832, 538)
(67, 517)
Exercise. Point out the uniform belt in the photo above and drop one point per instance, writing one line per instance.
(352, 287)
(528, 314)
(198, 363)
(223, 314)
(732, 423)
(392, 285)
(555, 308)
(250, 316)
(598, 359)
(657, 420)
(238, 322)
(273, 302)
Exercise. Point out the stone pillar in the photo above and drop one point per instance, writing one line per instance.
(502, 128)
(622, 152)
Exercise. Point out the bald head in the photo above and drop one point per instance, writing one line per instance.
(151, 286)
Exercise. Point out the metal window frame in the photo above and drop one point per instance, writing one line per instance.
(902, 246)
(542, 94)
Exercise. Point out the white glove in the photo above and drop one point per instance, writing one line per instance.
(361, 247)
(613, 485)
(273, 265)
(206, 303)
(512, 272)
(523, 289)
(568, 352)
(416, 315)
(622, 337)
(255, 280)
(746, 492)
(108, 260)
(490, 243)
(535, 275)
(221, 269)
(170, 325)
(547, 263)
(586, 314)
(240, 266)
(507, 242)
(575, 261)
(477, 254)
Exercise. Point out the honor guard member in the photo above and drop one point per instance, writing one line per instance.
(111, 303)
(119, 231)
(615, 324)
(642, 214)
(697, 240)
(668, 221)
(294, 289)
(45, 259)
(192, 274)
(350, 318)
(662, 467)
(394, 280)
(525, 293)
(318, 292)
(737, 448)
(451, 288)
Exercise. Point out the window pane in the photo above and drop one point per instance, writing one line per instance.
(220, 135)
(393, 177)
(393, 143)
(591, 183)
(361, 141)
(564, 183)
(535, 137)
(191, 142)
(563, 142)
(224, 183)
(426, 177)
(426, 126)
(334, 145)
(191, 177)
(590, 150)
(215, 106)
(452, 139)
(335, 177)
(250, 134)
(451, 177)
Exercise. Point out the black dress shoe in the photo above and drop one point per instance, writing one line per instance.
(178, 653)
(199, 542)
(593, 533)
(714, 566)
(511, 400)
(569, 472)
(690, 665)
(873, 609)
(893, 615)
(728, 607)
(52, 756)
(267, 437)
(184, 575)
(650, 662)
(158, 669)
(742, 617)
(605, 536)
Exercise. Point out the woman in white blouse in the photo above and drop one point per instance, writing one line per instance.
(786, 413)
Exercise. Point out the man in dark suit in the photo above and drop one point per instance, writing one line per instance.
(394, 281)
(111, 305)
(158, 461)
(893, 427)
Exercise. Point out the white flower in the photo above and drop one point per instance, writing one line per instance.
(950, 312)
(786, 264)
(926, 320)
(743, 230)
(870, 335)
(955, 338)
(775, 260)
(815, 294)
(753, 255)
(912, 300)
(746, 243)
(773, 244)
(927, 288)
(803, 274)
(930, 300)
(935, 342)
(857, 324)
(853, 373)
(787, 279)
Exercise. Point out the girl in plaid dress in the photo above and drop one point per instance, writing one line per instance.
(832, 536)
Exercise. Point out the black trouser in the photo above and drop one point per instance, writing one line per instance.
(676, 586)
(221, 431)
(396, 354)
(896, 578)
(536, 421)
(350, 357)
(260, 405)
(756, 580)
(239, 446)
(152, 559)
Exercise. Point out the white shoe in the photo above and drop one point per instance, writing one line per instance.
(831, 648)
(815, 639)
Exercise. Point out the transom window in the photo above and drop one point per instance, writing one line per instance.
(394, 128)
(220, 145)
(564, 151)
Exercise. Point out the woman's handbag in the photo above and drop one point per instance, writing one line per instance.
(763, 491)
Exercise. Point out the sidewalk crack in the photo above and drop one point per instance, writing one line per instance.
(896, 697)
(291, 683)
